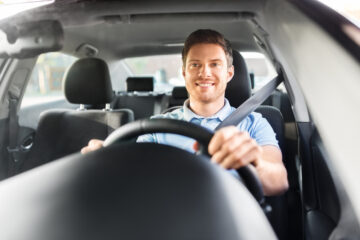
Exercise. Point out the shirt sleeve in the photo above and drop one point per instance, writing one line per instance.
(146, 138)
(262, 132)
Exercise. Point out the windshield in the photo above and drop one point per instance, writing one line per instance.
(167, 70)
(12, 7)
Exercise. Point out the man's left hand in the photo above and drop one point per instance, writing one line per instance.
(231, 148)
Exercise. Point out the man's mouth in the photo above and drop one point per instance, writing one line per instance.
(204, 84)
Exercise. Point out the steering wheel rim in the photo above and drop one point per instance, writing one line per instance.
(144, 126)
(200, 134)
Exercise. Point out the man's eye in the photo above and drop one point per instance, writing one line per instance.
(194, 65)
(215, 64)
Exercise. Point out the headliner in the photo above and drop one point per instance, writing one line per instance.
(121, 29)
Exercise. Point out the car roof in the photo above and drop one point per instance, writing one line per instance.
(119, 29)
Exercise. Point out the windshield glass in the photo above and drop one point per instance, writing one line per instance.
(12, 7)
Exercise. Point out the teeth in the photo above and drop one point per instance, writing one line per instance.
(205, 84)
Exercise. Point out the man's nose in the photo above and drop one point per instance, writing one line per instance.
(205, 71)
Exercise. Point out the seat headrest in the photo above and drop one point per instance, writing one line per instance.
(87, 81)
(238, 90)
(140, 84)
(179, 93)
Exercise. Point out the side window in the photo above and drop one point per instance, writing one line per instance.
(45, 83)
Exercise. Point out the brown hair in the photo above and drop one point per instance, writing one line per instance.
(207, 36)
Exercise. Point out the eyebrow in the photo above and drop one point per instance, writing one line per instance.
(212, 60)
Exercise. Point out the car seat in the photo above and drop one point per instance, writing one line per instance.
(238, 91)
(62, 131)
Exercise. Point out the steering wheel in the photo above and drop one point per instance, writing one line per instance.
(200, 134)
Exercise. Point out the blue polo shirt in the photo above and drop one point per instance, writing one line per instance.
(257, 127)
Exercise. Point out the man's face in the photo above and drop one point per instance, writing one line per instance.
(206, 73)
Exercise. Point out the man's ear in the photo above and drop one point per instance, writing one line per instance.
(183, 71)
(230, 73)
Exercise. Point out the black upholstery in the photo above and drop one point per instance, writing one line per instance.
(274, 117)
(179, 93)
(117, 193)
(178, 96)
(279, 215)
(140, 84)
(239, 88)
(61, 131)
(237, 91)
(144, 105)
(88, 82)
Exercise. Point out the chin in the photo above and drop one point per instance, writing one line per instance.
(208, 99)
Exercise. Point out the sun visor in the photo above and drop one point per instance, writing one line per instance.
(25, 40)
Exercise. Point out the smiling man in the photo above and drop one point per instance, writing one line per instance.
(207, 68)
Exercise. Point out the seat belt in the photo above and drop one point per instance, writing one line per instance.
(251, 103)
(160, 104)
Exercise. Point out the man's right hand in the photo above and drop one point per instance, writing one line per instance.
(94, 144)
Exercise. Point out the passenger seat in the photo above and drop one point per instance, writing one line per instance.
(61, 131)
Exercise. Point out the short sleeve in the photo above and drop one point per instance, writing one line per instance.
(146, 138)
(262, 131)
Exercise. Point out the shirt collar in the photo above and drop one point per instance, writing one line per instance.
(225, 111)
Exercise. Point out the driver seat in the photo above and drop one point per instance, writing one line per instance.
(238, 91)
(61, 131)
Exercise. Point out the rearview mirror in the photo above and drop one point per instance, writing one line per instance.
(30, 39)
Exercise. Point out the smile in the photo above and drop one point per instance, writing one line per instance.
(205, 84)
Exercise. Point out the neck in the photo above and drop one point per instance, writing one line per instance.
(206, 109)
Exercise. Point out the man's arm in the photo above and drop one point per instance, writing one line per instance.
(95, 144)
(231, 148)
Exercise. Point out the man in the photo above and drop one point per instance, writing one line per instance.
(207, 68)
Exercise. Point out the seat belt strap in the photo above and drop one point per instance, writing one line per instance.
(251, 103)
(161, 103)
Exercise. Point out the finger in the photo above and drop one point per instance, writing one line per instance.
(251, 156)
(84, 150)
(236, 157)
(220, 137)
(218, 157)
(228, 147)
(196, 146)
(95, 143)
(231, 145)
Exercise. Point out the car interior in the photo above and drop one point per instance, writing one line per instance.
(144, 190)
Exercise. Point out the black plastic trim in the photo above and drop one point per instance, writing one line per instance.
(305, 130)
